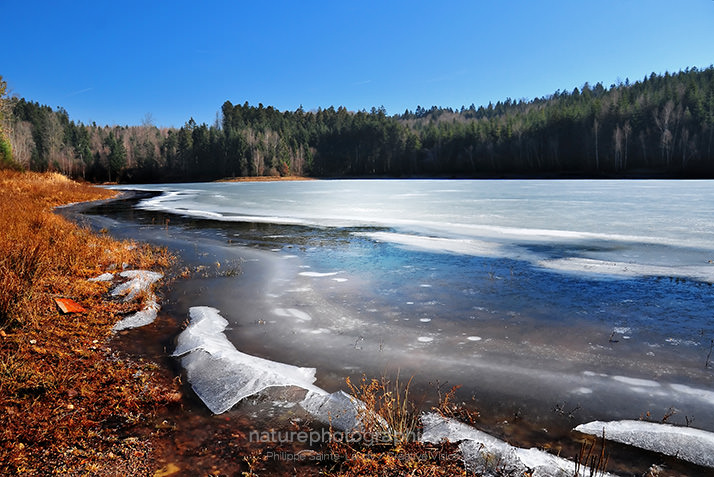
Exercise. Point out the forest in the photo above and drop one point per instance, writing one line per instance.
(660, 126)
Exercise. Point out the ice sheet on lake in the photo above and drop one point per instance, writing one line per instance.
(220, 374)
(627, 269)
(439, 244)
(685, 443)
(481, 450)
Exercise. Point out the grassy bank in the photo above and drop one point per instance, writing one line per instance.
(67, 400)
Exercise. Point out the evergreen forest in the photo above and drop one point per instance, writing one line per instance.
(660, 126)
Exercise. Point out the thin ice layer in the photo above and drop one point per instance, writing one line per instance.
(220, 374)
(685, 443)
(481, 451)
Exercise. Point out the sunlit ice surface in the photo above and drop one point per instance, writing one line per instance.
(587, 295)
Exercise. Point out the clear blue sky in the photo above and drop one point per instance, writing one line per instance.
(114, 62)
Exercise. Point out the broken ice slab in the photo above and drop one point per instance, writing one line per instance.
(220, 374)
(480, 450)
(685, 443)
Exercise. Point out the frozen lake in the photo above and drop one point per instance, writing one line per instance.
(585, 296)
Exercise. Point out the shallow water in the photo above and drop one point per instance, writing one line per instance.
(560, 301)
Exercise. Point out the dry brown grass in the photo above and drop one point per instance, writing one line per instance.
(64, 395)
(391, 420)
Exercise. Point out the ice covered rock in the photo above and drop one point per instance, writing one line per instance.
(685, 443)
(104, 277)
(483, 453)
(220, 374)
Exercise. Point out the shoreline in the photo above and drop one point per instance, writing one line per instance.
(72, 402)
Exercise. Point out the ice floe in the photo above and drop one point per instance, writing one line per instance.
(481, 451)
(339, 409)
(220, 374)
(685, 443)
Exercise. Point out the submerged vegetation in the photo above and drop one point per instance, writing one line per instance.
(66, 398)
(662, 125)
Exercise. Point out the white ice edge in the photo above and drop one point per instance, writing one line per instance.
(145, 316)
(496, 249)
(222, 376)
(616, 269)
(479, 450)
(139, 281)
(465, 246)
(684, 443)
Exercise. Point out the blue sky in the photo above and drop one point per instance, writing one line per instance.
(114, 62)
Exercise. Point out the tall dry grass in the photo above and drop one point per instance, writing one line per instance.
(42, 255)
(61, 387)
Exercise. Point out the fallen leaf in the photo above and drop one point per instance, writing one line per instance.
(69, 306)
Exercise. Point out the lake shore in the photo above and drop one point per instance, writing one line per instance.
(81, 399)
(71, 401)
(185, 435)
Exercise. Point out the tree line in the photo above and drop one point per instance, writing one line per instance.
(660, 126)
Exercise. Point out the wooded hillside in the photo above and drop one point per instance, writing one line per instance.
(660, 126)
